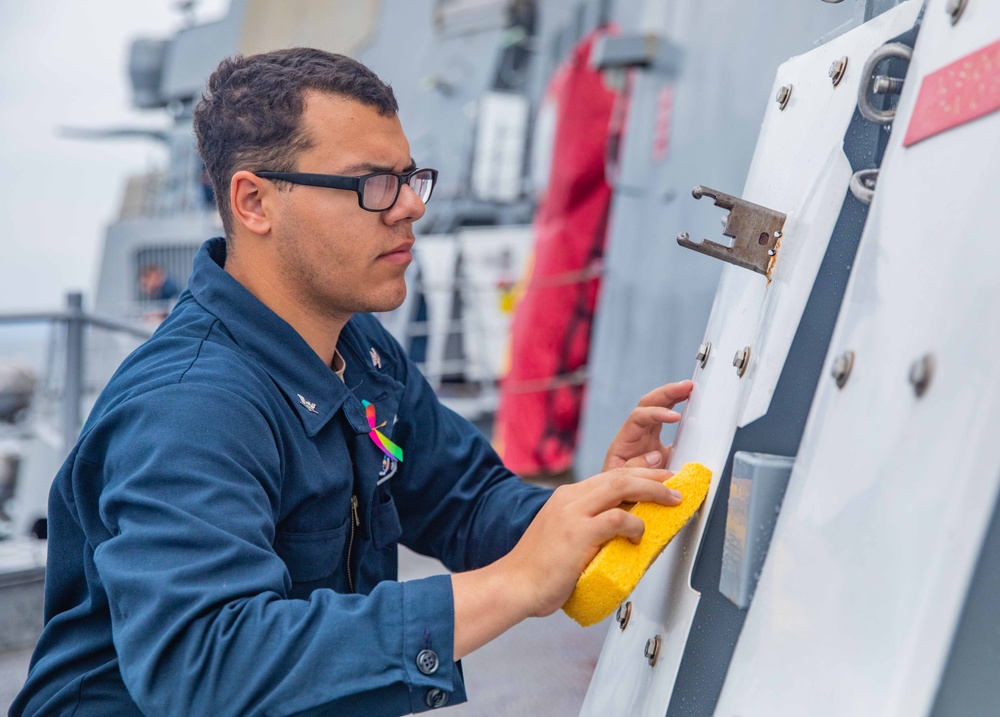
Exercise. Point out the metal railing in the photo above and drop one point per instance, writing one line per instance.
(74, 318)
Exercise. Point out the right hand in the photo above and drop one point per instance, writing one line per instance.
(573, 525)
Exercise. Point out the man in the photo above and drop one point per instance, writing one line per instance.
(223, 536)
(155, 285)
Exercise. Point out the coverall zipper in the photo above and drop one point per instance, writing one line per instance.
(355, 521)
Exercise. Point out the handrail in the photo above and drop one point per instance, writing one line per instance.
(75, 318)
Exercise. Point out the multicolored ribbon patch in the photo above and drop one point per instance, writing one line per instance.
(383, 442)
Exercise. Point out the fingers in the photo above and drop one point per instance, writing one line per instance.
(668, 395)
(627, 485)
(653, 459)
(643, 422)
(645, 417)
(618, 522)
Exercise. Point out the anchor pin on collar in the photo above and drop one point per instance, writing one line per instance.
(376, 359)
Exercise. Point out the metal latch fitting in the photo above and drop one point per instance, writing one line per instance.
(755, 230)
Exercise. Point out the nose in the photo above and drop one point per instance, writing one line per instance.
(408, 207)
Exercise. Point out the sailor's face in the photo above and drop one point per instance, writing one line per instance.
(339, 257)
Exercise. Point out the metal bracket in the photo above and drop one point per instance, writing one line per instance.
(648, 51)
(754, 228)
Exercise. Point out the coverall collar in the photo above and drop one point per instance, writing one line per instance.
(312, 388)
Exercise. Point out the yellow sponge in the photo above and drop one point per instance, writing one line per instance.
(617, 568)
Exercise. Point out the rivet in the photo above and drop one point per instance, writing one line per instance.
(784, 94)
(623, 614)
(921, 373)
(842, 366)
(742, 360)
(955, 8)
(652, 650)
(703, 352)
(837, 70)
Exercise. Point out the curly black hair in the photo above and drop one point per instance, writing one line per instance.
(250, 114)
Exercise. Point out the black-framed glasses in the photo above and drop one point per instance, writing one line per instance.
(376, 192)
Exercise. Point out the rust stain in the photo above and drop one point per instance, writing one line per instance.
(770, 264)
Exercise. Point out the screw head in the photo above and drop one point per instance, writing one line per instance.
(652, 650)
(784, 94)
(921, 373)
(623, 614)
(837, 70)
(703, 352)
(841, 370)
(741, 360)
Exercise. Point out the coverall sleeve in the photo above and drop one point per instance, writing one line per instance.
(183, 547)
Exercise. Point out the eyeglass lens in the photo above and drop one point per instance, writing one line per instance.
(380, 191)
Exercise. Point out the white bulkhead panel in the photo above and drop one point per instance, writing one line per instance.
(799, 169)
(493, 260)
(893, 489)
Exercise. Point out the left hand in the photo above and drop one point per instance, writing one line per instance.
(638, 442)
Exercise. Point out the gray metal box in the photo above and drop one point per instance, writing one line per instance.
(755, 494)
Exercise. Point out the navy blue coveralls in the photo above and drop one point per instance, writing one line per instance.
(204, 557)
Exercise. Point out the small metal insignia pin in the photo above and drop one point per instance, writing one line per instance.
(310, 406)
(376, 359)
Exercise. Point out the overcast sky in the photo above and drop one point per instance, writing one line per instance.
(64, 63)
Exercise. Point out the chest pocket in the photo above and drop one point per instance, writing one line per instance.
(312, 559)
(386, 529)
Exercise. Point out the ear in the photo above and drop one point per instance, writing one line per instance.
(247, 201)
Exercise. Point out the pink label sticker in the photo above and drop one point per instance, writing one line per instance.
(965, 90)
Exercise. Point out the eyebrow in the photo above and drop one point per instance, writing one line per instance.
(371, 167)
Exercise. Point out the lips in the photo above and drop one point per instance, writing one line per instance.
(400, 254)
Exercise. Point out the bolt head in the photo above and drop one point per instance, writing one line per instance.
(837, 70)
(784, 94)
(652, 649)
(741, 360)
(955, 8)
(703, 351)
(921, 373)
(841, 369)
(623, 614)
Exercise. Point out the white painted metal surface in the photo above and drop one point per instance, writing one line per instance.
(799, 169)
(494, 260)
(437, 257)
(891, 494)
(498, 158)
(466, 275)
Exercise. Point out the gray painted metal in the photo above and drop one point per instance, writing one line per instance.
(755, 495)
(969, 685)
(72, 393)
(21, 593)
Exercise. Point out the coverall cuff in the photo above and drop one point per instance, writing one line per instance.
(434, 679)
